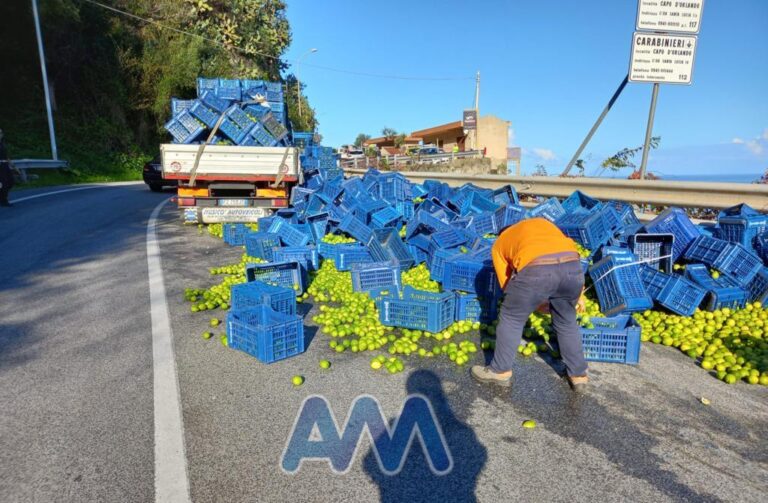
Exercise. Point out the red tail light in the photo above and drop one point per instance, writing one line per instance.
(186, 201)
(280, 203)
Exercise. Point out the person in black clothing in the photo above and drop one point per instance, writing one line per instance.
(6, 175)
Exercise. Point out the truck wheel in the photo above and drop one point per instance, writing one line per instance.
(154, 187)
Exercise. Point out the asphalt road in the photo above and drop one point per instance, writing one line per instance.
(76, 392)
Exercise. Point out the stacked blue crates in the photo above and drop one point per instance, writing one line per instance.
(243, 104)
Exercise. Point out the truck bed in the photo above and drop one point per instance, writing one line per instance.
(228, 162)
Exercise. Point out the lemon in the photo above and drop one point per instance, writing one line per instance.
(529, 423)
(297, 380)
(325, 364)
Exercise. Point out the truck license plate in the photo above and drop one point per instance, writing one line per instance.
(233, 203)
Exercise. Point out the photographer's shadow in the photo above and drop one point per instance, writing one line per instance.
(416, 481)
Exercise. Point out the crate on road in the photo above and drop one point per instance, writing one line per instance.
(612, 340)
(265, 333)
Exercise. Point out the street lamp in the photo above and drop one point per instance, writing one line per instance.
(298, 86)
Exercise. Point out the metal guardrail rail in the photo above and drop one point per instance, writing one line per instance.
(24, 164)
(404, 160)
(653, 192)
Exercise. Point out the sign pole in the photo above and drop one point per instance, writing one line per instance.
(51, 131)
(649, 130)
(477, 111)
(597, 125)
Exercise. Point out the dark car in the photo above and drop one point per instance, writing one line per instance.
(153, 176)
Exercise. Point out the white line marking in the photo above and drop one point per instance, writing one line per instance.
(70, 190)
(171, 482)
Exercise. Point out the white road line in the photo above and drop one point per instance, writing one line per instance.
(70, 190)
(171, 482)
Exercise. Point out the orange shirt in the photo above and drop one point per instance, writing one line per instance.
(520, 244)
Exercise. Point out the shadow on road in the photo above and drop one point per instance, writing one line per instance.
(416, 482)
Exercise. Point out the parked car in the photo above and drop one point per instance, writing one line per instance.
(153, 175)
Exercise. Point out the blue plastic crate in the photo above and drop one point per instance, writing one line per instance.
(470, 307)
(419, 255)
(201, 112)
(178, 106)
(290, 234)
(470, 274)
(375, 275)
(184, 128)
(261, 136)
(419, 310)
(214, 102)
(239, 117)
(265, 334)
(626, 213)
(275, 126)
(477, 203)
(578, 199)
(513, 214)
(256, 293)
(674, 221)
(307, 256)
(233, 131)
(613, 340)
(482, 224)
(721, 292)
(261, 245)
(592, 229)
(287, 274)
(652, 247)
(347, 257)
(392, 187)
(505, 196)
(204, 85)
(229, 89)
(758, 287)
(449, 238)
(406, 208)
(761, 246)
(300, 194)
(730, 258)
(356, 228)
(234, 234)
(386, 245)
(742, 229)
(551, 209)
(619, 289)
(436, 262)
(674, 292)
(386, 217)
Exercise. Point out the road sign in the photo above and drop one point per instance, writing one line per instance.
(469, 120)
(662, 58)
(669, 15)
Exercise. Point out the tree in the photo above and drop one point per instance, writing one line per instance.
(623, 158)
(388, 133)
(399, 140)
(361, 138)
(306, 121)
(541, 170)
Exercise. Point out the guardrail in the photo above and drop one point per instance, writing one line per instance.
(653, 192)
(24, 164)
(405, 160)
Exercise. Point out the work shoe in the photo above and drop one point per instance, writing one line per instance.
(487, 375)
(578, 383)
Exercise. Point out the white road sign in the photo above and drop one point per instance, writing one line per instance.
(669, 15)
(662, 58)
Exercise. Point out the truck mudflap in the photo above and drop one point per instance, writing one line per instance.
(216, 215)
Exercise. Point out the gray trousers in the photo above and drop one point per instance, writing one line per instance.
(561, 286)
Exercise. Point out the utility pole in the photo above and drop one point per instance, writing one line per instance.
(298, 85)
(477, 111)
(51, 131)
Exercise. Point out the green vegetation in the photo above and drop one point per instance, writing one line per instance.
(112, 77)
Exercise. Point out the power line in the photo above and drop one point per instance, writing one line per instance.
(269, 56)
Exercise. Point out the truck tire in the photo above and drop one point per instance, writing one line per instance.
(155, 187)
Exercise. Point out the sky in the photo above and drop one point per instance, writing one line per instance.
(548, 66)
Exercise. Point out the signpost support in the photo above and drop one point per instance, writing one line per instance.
(649, 130)
(51, 131)
(597, 125)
